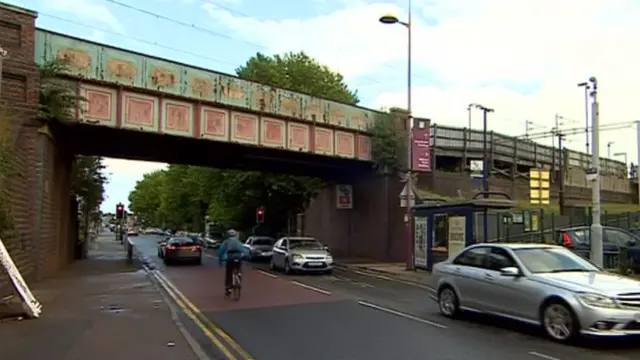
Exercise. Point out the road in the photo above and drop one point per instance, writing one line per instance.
(349, 316)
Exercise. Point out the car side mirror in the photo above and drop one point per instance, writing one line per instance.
(510, 271)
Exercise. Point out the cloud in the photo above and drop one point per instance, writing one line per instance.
(88, 12)
(523, 58)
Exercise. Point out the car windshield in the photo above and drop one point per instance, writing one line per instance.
(181, 241)
(263, 241)
(552, 260)
(311, 244)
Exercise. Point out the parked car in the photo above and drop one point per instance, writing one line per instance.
(260, 247)
(155, 231)
(132, 232)
(578, 240)
(304, 254)
(180, 249)
(546, 285)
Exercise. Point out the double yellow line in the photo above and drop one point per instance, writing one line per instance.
(217, 336)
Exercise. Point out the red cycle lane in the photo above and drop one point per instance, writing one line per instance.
(204, 287)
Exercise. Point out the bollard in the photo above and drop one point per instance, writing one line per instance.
(129, 252)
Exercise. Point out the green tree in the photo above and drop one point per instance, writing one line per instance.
(298, 72)
(88, 182)
(145, 200)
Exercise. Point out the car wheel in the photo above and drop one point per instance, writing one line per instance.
(448, 302)
(559, 321)
(287, 267)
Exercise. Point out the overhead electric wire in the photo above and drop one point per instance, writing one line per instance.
(219, 34)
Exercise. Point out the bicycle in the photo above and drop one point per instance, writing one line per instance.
(236, 283)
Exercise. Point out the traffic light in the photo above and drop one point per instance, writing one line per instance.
(260, 215)
(119, 211)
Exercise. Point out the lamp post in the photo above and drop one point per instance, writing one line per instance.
(596, 227)
(609, 148)
(586, 87)
(624, 156)
(485, 168)
(390, 20)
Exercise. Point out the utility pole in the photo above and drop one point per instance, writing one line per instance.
(485, 167)
(561, 171)
(596, 227)
(586, 87)
(527, 127)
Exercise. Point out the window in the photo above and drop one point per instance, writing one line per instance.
(500, 258)
(249, 241)
(551, 259)
(473, 257)
(619, 238)
(182, 241)
(581, 236)
(263, 241)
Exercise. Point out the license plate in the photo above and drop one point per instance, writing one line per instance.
(316, 264)
(267, 253)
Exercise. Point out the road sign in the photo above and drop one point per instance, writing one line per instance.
(539, 186)
(403, 196)
(476, 167)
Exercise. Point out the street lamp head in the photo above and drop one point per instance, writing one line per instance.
(389, 19)
(582, 84)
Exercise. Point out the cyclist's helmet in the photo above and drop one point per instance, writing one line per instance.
(232, 233)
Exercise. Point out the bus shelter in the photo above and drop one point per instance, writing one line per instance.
(442, 229)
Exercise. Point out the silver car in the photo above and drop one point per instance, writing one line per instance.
(544, 285)
(260, 247)
(304, 254)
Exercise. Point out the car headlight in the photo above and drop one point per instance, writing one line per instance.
(329, 258)
(597, 300)
(296, 257)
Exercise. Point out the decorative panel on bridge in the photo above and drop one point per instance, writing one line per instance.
(128, 90)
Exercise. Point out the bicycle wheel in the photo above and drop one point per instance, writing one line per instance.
(236, 286)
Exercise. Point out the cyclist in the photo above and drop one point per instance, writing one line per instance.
(232, 251)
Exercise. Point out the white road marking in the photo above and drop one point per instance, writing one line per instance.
(374, 275)
(542, 356)
(312, 288)
(267, 274)
(425, 287)
(406, 316)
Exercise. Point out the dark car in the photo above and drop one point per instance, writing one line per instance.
(260, 247)
(613, 239)
(180, 249)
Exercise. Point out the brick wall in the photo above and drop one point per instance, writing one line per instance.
(19, 105)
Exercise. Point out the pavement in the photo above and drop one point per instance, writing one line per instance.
(340, 316)
(100, 308)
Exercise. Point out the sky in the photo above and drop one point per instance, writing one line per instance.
(522, 58)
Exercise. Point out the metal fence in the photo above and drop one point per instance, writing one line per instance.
(540, 227)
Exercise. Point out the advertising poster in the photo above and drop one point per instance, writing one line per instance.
(421, 146)
(457, 234)
(344, 196)
(420, 241)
